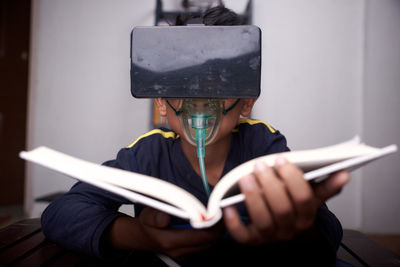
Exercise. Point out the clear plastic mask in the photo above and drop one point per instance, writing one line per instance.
(202, 114)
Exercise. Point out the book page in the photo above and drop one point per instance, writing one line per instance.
(318, 175)
(307, 160)
(102, 175)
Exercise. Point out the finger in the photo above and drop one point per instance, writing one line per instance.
(299, 191)
(277, 198)
(235, 226)
(331, 186)
(256, 206)
(154, 218)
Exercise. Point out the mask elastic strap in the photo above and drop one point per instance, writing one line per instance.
(225, 111)
(177, 112)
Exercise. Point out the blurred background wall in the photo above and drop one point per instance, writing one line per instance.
(331, 70)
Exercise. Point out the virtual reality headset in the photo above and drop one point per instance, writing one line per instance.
(213, 62)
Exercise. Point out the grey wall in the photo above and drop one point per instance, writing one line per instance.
(381, 121)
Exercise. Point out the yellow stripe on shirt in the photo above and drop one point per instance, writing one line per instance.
(252, 122)
(169, 134)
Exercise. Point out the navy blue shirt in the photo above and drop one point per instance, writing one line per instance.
(78, 219)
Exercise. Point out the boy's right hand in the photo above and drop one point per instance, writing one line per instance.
(150, 231)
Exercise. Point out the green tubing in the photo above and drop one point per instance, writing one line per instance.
(200, 136)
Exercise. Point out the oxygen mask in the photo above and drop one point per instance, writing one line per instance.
(200, 117)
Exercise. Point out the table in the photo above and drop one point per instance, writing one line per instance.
(23, 244)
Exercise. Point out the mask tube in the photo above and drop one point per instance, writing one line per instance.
(200, 136)
(201, 119)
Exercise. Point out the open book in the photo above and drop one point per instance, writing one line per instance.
(153, 192)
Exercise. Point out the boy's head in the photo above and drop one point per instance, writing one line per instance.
(203, 68)
(218, 15)
(219, 59)
(221, 115)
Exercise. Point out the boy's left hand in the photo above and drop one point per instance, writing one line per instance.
(280, 204)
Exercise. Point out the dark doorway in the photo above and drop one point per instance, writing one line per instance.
(14, 48)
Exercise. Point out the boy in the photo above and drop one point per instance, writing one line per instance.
(288, 222)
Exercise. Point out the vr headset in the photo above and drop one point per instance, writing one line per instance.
(211, 62)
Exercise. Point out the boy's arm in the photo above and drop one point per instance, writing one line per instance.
(151, 232)
(77, 219)
(86, 219)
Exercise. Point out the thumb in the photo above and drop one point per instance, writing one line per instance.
(154, 218)
(331, 186)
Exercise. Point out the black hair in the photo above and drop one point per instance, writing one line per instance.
(218, 15)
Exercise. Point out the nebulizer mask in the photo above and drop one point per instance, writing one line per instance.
(200, 119)
(201, 66)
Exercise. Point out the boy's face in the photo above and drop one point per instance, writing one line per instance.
(228, 121)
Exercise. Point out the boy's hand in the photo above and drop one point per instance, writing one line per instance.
(157, 235)
(280, 204)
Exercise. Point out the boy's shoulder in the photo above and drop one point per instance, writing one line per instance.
(155, 136)
(259, 138)
(143, 154)
(246, 124)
